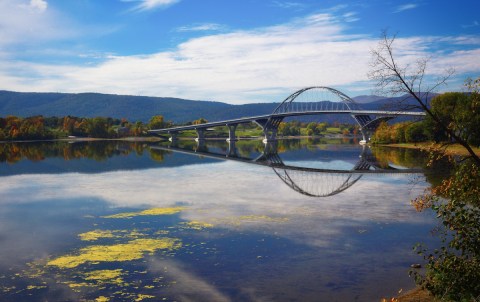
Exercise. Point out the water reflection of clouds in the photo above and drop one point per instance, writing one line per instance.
(315, 164)
(231, 182)
(33, 228)
(234, 188)
(188, 286)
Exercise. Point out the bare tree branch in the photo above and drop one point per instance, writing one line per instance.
(392, 79)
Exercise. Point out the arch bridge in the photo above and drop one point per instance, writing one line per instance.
(315, 100)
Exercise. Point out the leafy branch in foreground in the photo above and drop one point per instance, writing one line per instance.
(453, 270)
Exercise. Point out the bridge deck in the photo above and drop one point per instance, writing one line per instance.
(283, 115)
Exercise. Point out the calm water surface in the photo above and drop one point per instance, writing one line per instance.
(118, 221)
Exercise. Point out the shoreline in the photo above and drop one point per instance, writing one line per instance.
(454, 149)
(416, 294)
(160, 139)
(89, 139)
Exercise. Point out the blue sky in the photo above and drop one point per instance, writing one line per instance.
(224, 50)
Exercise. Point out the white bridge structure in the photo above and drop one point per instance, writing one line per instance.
(315, 100)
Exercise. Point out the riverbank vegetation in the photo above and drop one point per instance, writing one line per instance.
(460, 111)
(13, 128)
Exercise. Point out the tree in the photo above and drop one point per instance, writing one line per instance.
(312, 128)
(199, 121)
(156, 122)
(461, 113)
(98, 127)
(395, 79)
(322, 127)
(415, 133)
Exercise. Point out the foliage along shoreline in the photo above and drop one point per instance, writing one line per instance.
(40, 128)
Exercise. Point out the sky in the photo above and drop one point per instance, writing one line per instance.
(233, 51)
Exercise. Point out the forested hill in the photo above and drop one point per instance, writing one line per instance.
(134, 108)
(140, 108)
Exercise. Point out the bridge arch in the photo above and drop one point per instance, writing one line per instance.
(316, 98)
(316, 184)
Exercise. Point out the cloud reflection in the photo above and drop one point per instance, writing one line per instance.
(234, 190)
(189, 286)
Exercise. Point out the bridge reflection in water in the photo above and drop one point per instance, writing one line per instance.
(309, 181)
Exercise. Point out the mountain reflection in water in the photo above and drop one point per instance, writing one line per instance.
(123, 221)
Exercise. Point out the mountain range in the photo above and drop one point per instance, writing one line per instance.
(142, 108)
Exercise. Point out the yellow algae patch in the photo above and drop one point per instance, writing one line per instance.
(162, 232)
(134, 234)
(102, 276)
(142, 297)
(129, 251)
(149, 212)
(75, 285)
(197, 225)
(102, 299)
(96, 234)
(30, 287)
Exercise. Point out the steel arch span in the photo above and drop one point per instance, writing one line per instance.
(309, 101)
(318, 184)
(315, 98)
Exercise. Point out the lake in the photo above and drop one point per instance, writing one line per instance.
(300, 220)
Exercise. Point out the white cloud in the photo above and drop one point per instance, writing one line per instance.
(350, 17)
(405, 7)
(151, 4)
(30, 22)
(201, 27)
(473, 24)
(227, 67)
(40, 5)
(289, 5)
(265, 64)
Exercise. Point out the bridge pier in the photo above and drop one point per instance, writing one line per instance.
(173, 136)
(200, 134)
(232, 149)
(201, 147)
(270, 135)
(231, 132)
(364, 136)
